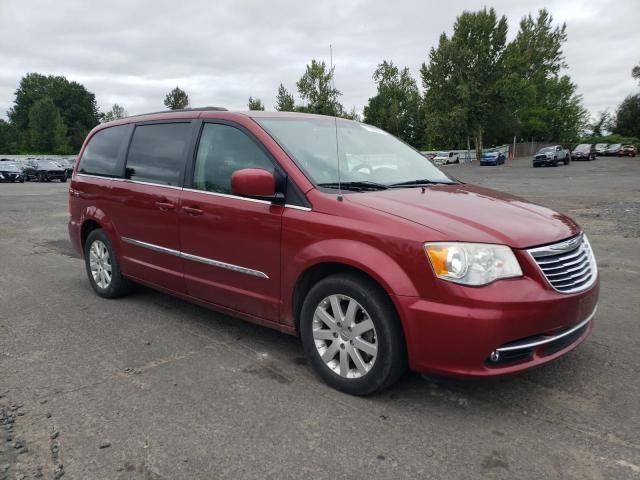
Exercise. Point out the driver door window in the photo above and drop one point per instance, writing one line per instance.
(223, 150)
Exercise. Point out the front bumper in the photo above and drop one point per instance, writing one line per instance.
(523, 320)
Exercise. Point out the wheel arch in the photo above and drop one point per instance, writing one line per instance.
(92, 219)
(388, 276)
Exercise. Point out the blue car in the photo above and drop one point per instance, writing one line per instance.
(492, 157)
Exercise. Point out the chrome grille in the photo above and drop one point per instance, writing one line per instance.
(569, 266)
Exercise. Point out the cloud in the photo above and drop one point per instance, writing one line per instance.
(222, 52)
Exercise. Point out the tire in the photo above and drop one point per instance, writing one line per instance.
(566, 160)
(117, 285)
(40, 178)
(380, 366)
(63, 180)
(555, 162)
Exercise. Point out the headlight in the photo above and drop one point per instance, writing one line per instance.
(472, 263)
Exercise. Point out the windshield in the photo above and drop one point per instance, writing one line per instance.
(615, 145)
(583, 147)
(48, 164)
(547, 149)
(491, 150)
(442, 154)
(601, 145)
(367, 154)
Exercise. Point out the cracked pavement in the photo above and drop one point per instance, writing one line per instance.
(151, 387)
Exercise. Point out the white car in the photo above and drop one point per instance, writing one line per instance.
(445, 158)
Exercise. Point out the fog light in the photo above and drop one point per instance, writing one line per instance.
(495, 356)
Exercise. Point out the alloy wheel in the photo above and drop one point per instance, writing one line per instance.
(100, 264)
(345, 336)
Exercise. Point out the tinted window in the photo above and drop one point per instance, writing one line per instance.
(104, 150)
(222, 151)
(157, 153)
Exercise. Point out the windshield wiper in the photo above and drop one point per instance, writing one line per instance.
(357, 186)
(419, 183)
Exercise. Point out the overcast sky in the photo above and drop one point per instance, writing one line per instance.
(133, 52)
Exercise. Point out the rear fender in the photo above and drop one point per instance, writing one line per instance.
(98, 215)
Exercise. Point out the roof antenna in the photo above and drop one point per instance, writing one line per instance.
(335, 120)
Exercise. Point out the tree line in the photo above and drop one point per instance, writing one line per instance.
(477, 89)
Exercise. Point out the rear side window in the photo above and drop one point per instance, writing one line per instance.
(157, 153)
(223, 150)
(106, 148)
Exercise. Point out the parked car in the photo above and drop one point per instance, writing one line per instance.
(376, 265)
(429, 156)
(552, 156)
(67, 164)
(584, 151)
(446, 158)
(613, 150)
(628, 151)
(601, 148)
(45, 171)
(492, 157)
(10, 172)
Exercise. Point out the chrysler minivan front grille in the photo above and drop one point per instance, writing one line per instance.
(569, 266)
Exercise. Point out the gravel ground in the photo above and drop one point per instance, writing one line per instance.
(150, 387)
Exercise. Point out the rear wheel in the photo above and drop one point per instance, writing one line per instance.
(102, 266)
(63, 180)
(351, 334)
(566, 160)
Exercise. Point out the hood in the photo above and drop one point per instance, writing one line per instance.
(473, 214)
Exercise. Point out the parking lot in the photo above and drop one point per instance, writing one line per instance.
(151, 387)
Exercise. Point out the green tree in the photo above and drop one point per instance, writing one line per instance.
(635, 72)
(115, 113)
(176, 99)
(284, 100)
(255, 104)
(461, 85)
(8, 138)
(77, 106)
(627, 122)
(542, 103)
(396, 107)
(315, 88)
(47, 132)
(600, 124)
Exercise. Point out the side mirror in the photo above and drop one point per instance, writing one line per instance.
(254, 182)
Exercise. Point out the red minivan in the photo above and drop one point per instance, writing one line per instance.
(335, 231)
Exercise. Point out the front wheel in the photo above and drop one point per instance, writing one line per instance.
(63, 180)
(102, 266)
(352, 335)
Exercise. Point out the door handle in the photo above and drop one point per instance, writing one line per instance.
(164, 206)
(195, 211)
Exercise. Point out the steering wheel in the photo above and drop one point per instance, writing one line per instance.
(361, 166)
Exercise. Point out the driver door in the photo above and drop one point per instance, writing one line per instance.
(230, 244)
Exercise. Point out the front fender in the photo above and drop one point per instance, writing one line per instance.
(373, 261)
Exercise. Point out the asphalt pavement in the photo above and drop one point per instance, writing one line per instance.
(151, 387)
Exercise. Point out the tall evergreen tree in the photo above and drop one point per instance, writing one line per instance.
(284, 100)
(461, 79)
(176, 99)
(315, 88)
(255, 104)
(396, 107)
(47, 132)
(77, 106)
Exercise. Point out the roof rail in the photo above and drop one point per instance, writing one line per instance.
(196, 109)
